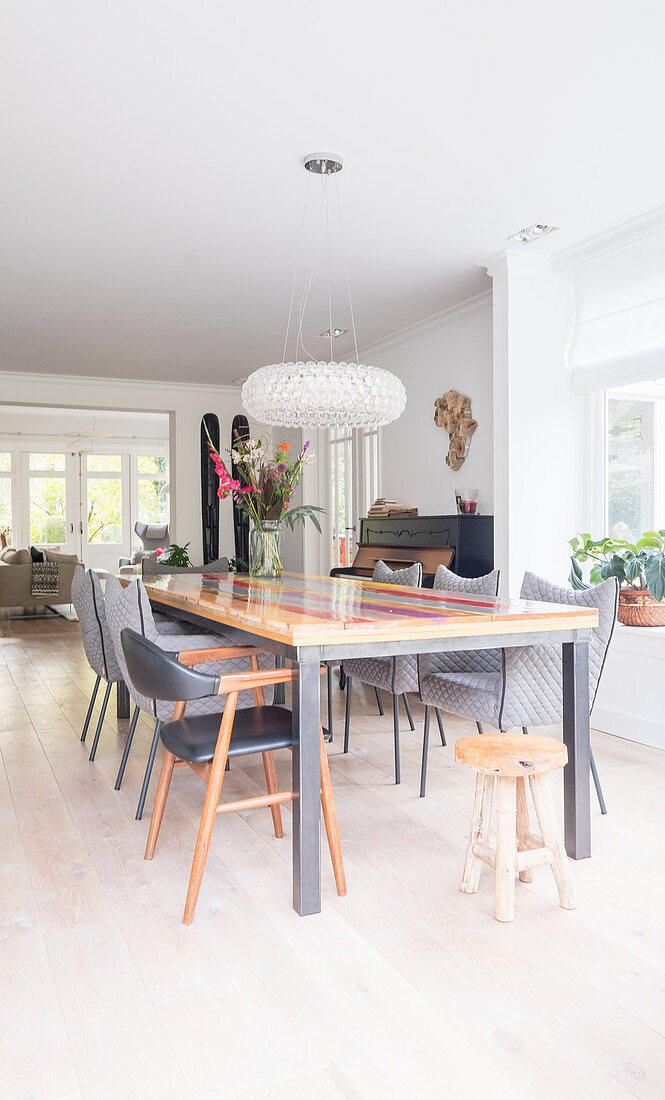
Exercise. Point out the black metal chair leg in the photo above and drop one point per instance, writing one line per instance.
(330, 704)
(479, 727)
(423, 766)
(347, 713)
(91, 705)
(441, 729)
(407, 708)
(148, 770)
(342, 678)
(378, 700)
(525, 729)
(396, 736)
(102, 716)
(596, 783)
(128, 745)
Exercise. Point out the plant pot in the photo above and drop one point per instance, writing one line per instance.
(637, 607)
(265, 559)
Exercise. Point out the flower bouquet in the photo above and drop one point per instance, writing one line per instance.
(263, 492)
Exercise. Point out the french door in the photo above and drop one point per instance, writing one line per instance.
(77, 502)
(352, 484)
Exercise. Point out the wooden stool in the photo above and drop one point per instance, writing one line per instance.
(512, 759)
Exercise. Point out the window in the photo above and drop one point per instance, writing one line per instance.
(7, 495)
(151, 489)
(634, 447)
(47, 499)
(353, 480)
(104, 499)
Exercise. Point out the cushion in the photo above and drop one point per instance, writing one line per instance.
(60, 559)
(16, 557)
(411, 576)
(36, 555)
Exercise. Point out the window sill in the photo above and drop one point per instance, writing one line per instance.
(647, 641)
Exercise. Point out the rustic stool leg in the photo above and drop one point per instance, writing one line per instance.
(480, 821)
(523, 824)
(552, 838)
(506, 848)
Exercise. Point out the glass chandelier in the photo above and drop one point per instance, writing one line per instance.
(305, 393)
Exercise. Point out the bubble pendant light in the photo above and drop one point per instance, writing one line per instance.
(309, 394)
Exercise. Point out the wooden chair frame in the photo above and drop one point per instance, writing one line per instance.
(212, 772)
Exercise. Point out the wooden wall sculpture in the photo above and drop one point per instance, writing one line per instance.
(453, 413)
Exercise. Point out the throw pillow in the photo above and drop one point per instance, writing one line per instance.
(36, 555)
(63, 559)
(411, 576)
(16, 557)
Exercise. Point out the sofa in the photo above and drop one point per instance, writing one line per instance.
(16, 578)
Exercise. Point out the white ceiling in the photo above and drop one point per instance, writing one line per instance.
(151, 178)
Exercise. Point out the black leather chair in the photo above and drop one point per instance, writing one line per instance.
(206, 741)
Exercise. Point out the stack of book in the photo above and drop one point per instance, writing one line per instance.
(383, 506)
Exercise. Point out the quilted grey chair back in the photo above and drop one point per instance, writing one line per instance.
(90, 606)
(130, 607)
(481, 661)
(531, 675)
(153, 535)
(396, 674)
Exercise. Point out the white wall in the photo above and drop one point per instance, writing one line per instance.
(535, 421)
(185, 404)
(453, 351)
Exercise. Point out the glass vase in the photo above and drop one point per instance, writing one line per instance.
(265, 557)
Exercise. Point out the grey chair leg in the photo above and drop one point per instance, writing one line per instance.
(330, 705)
(596, 783)
(102, 716)
(91, 705)
(347, 713)
(423, 766)
(407, 708)
(479, 727)
(148, 770)
(442, 732)
(128, 745)
(396, 736)
(378, 700)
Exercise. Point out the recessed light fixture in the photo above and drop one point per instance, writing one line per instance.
(335, 332)
(239, 381)
(532, 233)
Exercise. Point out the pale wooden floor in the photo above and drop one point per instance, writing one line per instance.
(405, 988)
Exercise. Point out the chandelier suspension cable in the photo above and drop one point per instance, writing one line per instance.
(301, 237)
(324, 184)
(309, 277)
(346, 270)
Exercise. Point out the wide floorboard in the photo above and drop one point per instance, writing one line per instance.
(405, 987)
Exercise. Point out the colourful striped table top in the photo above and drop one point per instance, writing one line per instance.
(306, 610)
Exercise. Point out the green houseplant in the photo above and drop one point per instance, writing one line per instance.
(174, 554)
(639, 567)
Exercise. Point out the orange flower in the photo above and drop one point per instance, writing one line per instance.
(284, 447)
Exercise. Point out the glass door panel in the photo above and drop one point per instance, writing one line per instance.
(48, 506)
(105, 509)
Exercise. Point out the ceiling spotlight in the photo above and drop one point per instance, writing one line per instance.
(334, 332)
(532, 233)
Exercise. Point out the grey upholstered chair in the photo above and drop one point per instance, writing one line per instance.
(471, 661)
(153, 536)
(526, 690)
(130, 607)
(88, 600)
(398, 675)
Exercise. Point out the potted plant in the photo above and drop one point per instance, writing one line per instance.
(639, 567)
(263, 492)
(174, 555)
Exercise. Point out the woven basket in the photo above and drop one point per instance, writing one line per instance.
(637, 607)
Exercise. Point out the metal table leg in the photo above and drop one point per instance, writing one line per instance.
(576, 793)
(306, 785)
(121, 700)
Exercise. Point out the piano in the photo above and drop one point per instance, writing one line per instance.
(464, 544)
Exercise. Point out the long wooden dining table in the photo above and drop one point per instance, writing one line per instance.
(309, 620)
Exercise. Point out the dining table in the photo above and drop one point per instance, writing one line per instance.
(309, 620)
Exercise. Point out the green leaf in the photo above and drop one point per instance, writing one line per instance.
(655, 576)
(575, 576)
(596, 574)
(613, 568)
(650, 540)
(573, 543)
(633, 569)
